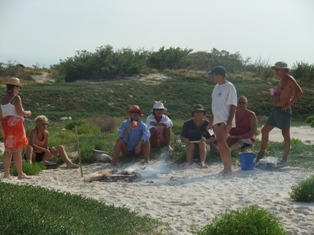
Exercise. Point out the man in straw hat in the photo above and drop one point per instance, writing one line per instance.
(13, 127)
(133, 137)
(196, 137)
(160, 126)
(284, 96)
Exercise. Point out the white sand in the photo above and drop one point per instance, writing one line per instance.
(190, 197)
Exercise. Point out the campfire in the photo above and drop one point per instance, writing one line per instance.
(113, 175)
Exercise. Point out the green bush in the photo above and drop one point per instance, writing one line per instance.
(29, 169)
(250, 220)
(83, 127)
(304, 191)
(71, 125)
(310, 119)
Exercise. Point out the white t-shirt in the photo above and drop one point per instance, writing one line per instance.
(165, 119)
(223, 96)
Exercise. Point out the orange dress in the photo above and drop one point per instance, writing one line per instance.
(14, 132)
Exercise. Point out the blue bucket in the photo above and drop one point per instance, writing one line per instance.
(247, 161)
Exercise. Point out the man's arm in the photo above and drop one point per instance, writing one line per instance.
(297, 92)
(231, 116)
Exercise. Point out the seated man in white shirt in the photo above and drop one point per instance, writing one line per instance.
(160, 127)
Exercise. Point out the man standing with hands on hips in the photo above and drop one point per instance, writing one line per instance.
(286, 94)
(224, 103)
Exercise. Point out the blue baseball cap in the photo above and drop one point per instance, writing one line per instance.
(218, 70)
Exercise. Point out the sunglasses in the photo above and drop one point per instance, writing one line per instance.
(213, 75)
(45, 124)
(241, 102)
(18, 87)
(135, 112)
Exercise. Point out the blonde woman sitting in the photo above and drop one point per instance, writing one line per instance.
(38, 149)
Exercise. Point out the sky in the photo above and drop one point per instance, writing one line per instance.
(43, 32)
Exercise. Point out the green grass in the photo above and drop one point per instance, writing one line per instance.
(33, 210)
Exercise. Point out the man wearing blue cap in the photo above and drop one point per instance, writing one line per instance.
(224, 103)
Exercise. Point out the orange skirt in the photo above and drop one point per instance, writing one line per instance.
(13, 133)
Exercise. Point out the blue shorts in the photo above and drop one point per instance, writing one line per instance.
(279, 119)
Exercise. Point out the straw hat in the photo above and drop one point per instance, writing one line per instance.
(13, 81)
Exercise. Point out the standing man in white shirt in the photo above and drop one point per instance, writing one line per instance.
(160, 127)
(224, 103)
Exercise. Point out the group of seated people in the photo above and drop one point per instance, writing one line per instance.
(136, 137)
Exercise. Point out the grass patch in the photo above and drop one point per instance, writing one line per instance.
(34, 210)
(251, 220)
(30, 169)
(304, 191)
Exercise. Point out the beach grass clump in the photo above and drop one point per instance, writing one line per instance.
(310, 120)
(30, 169)
(250, 220)
(303, 191)
(26, 209)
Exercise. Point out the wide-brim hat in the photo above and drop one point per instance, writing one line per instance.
(198, 107)
(135, 108)
(281, 65)
(13, 81)
(159, 105)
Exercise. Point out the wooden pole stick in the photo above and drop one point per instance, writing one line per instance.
(78, 150)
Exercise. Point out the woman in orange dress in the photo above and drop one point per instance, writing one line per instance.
(13, 127)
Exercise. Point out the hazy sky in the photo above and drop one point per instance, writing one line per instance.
(44, 31)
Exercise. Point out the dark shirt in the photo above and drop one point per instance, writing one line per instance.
(193, 132)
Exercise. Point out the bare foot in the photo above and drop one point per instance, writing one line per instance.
(72, 166)
(23, 176)
(225, 173)
(203, 165)
(259, 157)
(145, 162)
(283, 161)
(7, 176)
(187, 165)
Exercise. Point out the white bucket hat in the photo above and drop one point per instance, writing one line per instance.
(158, 105)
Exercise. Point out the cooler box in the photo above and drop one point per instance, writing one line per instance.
(247, 161)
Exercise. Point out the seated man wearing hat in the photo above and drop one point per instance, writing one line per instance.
(160, 126)
(196, 136)
(133, 137)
